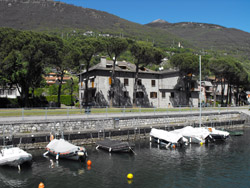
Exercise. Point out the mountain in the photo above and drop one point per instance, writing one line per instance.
(53, 16)
(57, 17)
(209, 36)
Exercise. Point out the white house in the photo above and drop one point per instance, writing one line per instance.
(155, 89)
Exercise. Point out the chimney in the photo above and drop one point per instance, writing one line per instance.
(103, 61)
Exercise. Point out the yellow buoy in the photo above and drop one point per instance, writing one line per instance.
(130, 181)
(41, 185)
(201, 143)
(130, 176)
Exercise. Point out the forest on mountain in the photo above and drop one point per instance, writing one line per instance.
(58, 18)
(26, 56)
(50, 35)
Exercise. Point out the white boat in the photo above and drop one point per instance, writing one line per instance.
(217, 135)
(61, 148)
(14, 156)
(167, 138)
(194, 134)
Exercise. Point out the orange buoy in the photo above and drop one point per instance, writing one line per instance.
(89, 162)
(173, 146)
(41, 185)
(51, 137)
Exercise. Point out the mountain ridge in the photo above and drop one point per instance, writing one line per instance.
(57, 17)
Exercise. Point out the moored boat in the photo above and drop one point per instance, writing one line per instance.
(14, 156)
(194, 134)
(61, 148)
(114, 145)
(217, 135)
(167, 138)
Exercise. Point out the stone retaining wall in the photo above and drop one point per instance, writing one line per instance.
(33, 135)
(34, 127)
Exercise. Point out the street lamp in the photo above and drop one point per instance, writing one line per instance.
(80, 90)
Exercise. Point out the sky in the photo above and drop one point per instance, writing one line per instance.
(227, 13)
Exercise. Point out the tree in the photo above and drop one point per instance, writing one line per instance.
(88, 48)
(188, 65)
(223, 69)
(114, 47)
(63, 63)
(239, 79)
(23, 57)
(144, 54)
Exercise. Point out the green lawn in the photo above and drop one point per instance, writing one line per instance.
(69, 111)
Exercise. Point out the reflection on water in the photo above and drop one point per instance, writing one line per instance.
(213, 165)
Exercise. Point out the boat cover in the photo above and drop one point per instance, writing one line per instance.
(197, 132)
(14, 156)
(61, 146)
(217, 132)
(165, 135)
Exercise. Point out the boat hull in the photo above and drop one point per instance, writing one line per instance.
(114, 146)
(73, 156)
(61, 148)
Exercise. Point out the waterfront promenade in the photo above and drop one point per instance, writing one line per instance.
(105, 115)
(37, 129)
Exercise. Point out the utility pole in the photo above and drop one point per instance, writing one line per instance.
(200, 86)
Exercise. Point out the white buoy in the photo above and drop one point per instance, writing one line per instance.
(150, 139)
(57, 156)
(110, 149)
(97, 147)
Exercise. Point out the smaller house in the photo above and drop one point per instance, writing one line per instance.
(11, 93)
(52, 78)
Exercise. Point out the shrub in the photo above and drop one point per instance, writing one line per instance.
(65, 99)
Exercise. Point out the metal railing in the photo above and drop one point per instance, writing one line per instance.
(70, 113)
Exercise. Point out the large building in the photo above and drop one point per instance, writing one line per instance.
(161, 89)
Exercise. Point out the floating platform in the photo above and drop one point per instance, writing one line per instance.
(114, 145)
(236, 133)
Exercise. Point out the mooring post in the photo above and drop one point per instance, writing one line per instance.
(46, 113)
(67, 112)
(22, 114)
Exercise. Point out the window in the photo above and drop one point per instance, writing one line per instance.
(110, 80)
(153, 95)
(139, 94)
(163, 95)
(172, 94)
(139, 82)
(153, 83)
(125, 94)
(9, 92)
(92, 83)
(125, 82)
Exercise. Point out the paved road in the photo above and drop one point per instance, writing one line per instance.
(113, 115)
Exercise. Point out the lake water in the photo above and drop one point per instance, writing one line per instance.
(209, 166)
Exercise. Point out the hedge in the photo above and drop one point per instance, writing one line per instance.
(65, 99)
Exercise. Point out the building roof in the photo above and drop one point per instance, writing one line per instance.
(123, 66)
